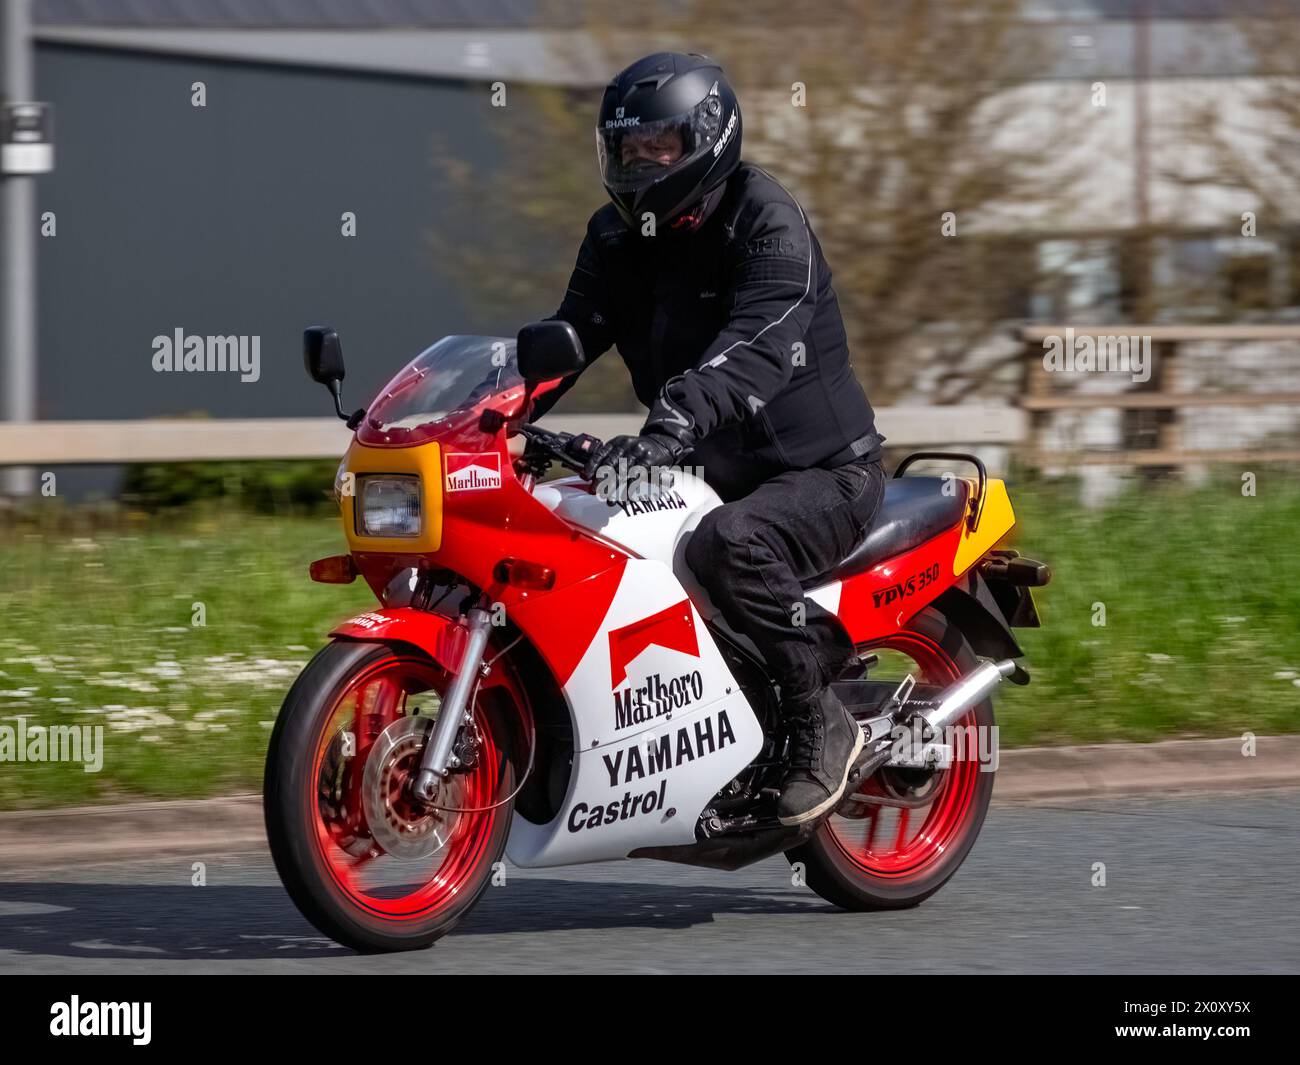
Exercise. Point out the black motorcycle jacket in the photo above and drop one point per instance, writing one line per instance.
(731, 332)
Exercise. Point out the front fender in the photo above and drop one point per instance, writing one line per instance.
(441, 638)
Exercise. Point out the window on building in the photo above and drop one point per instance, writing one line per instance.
(1077, 279)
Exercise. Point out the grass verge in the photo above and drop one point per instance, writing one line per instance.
(1200, 592)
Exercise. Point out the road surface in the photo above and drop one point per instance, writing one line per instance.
(1193, 885)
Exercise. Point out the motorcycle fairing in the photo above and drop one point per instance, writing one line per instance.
(476, 529)
(885, 597)
(613, 643)
(660, 726)
(651, 528)
(655, 529)
(870, 604)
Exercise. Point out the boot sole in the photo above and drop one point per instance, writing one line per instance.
(824, 807)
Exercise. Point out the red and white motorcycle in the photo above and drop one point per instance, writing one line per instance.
(544, 679)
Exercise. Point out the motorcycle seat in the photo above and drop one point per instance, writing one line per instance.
(914, 509)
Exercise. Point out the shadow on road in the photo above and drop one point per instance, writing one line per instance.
(244, 922)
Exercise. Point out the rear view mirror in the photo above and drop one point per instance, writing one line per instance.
(547, 350)
(322, 354)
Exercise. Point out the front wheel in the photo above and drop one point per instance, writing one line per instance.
(900, 837)
(365, 863)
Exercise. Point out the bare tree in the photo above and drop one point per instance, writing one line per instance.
(1249, 132)
(1243, 136)
(903, 128)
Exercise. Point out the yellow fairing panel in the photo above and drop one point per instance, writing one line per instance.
(995, 522)
(424, 462)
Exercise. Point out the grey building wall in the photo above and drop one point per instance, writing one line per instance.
(226, 220)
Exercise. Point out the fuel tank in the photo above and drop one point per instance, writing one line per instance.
(657, 527)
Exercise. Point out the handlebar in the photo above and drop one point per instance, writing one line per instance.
(569, 450)
(574, 451)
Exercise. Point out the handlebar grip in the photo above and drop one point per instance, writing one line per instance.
(582, 446)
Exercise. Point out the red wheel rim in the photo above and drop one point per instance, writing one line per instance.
(909, 844)
(380, 884)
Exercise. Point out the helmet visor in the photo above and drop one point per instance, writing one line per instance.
(634, 154)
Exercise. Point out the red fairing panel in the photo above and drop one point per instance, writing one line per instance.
(672, 628)
(562, 624)
(883, 599)
(480, 528)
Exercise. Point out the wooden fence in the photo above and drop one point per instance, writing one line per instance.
(1151, 436)
(1153, 430)
(197, 439)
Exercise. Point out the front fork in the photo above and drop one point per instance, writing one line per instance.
(455, 710)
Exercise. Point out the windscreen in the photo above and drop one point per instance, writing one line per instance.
(443, 391)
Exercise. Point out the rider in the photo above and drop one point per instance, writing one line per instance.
(706, 274)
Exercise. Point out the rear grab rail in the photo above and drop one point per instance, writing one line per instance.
(975, 507)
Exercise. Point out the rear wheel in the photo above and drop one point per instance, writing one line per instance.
(365, 863)
(900, 837)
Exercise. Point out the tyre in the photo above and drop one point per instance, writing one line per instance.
(365, 864)
(900, 837)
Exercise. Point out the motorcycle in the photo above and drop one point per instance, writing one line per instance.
(544, 679)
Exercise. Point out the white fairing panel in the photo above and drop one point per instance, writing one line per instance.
(656, 529)
(660, 725)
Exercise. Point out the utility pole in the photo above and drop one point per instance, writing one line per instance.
(18, 257)
(1145, 428)
(1142, 160)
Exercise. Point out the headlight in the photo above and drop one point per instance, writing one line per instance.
(388, 506)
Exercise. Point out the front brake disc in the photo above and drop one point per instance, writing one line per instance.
(403, 827)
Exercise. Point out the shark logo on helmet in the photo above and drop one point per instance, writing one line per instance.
(726, 134)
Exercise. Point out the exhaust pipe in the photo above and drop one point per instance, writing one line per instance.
(951, 703)
(971, 689)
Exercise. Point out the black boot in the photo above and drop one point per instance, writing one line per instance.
(825, 742)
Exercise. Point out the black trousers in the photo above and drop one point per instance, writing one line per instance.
(752, 556)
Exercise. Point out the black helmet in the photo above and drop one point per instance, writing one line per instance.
(645, 110)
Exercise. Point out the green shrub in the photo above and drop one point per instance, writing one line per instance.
(268, 487)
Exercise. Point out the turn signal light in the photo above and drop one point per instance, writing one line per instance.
(523, 574)
(337, 569)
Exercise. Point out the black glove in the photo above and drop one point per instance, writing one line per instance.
(582, 447)
(625, 461)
